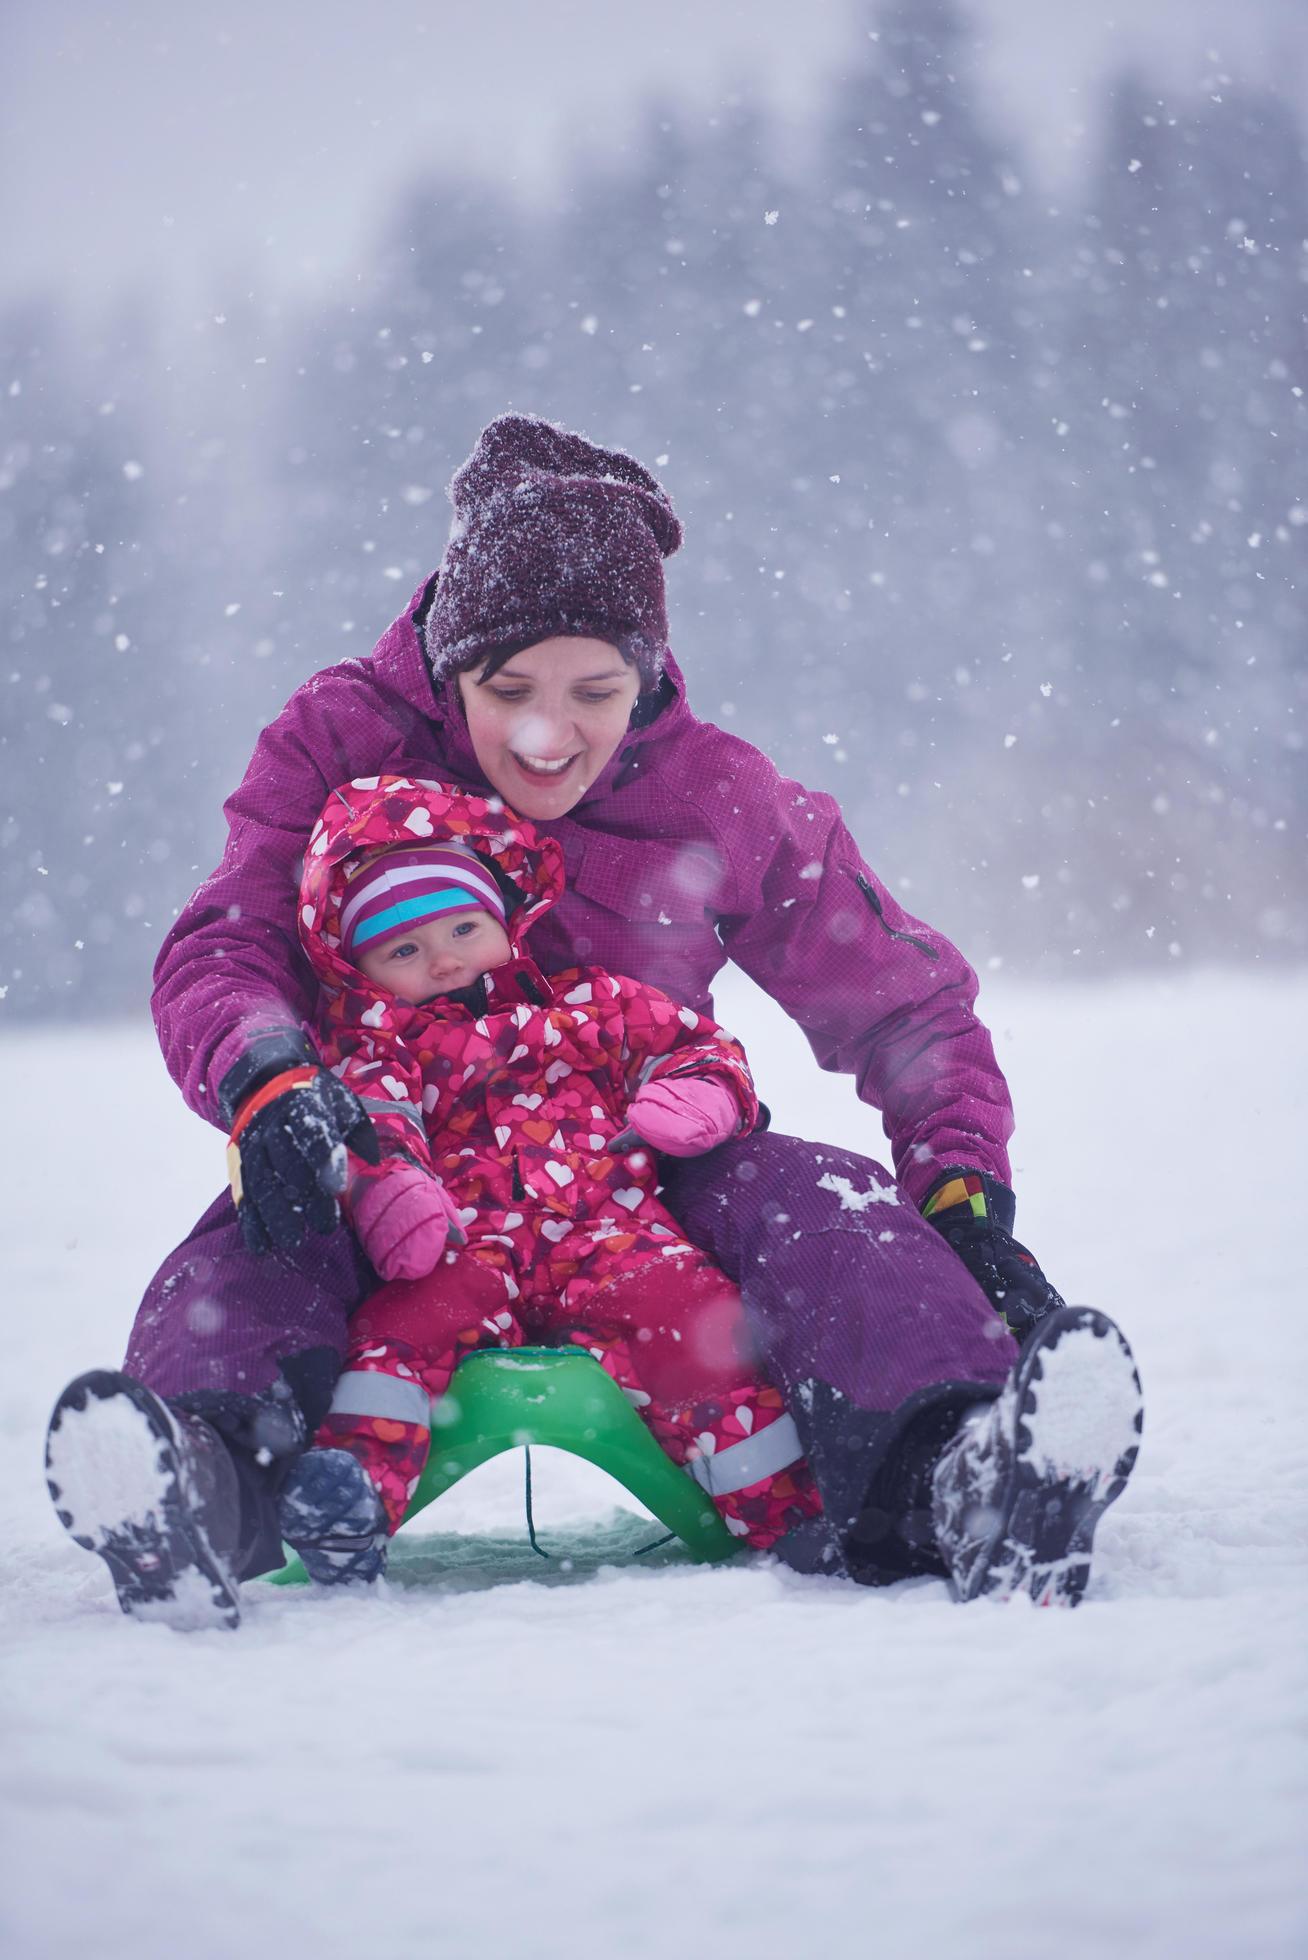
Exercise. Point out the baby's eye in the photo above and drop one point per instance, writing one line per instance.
(466, 926)
(403, 951)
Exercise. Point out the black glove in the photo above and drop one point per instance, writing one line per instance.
(289, 1155)
(974, 1214)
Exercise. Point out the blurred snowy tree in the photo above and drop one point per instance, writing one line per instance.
(996, 511)
(1183, 560)
(103, 689)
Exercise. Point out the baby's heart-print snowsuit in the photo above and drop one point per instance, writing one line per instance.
(513, 1094)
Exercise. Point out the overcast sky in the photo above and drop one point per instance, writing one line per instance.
(162, 138)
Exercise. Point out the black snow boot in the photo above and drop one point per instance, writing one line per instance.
(332, 1516)
(154, 1492)
(1019, 1489)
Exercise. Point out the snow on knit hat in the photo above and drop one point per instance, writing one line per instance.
(406, 887)
(551, 535)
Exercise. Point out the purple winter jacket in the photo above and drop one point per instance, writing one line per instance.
(687, 850)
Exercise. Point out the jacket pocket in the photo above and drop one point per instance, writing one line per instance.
(649, 911)
(652, 884)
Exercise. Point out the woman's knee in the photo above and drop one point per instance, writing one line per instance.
(781, 1186)
(218, 1317)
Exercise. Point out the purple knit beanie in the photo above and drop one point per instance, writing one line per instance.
(551, 535)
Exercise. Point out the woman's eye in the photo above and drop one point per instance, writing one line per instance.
(594, 700)
(509, 693)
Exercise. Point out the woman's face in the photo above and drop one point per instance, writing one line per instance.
(546, 723)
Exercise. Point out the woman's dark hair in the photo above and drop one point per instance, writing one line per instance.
(512, 894)
(490, 666)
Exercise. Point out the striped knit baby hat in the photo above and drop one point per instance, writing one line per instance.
(404, 888)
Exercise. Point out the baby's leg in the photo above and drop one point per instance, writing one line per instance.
(405, 1342)
(670, 1329)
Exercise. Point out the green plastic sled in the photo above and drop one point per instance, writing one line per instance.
(501, 1398)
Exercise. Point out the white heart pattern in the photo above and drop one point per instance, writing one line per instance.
(559, 1172)
(555, 1229)
(631, 1199)
(419, 822)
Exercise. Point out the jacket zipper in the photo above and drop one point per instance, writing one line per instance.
(519, 1188)
(910, 939)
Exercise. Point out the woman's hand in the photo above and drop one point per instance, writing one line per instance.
(684, 1115)
(288, 1155)
(404, 1218)
(974, 1214)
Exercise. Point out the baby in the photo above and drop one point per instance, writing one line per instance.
(514, 1198)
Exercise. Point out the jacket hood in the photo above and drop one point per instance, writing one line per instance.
(372, 814)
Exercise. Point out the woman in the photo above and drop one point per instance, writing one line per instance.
(536, 665)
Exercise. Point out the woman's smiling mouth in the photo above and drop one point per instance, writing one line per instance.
(539, 765)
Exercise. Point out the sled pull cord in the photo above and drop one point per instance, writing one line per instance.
(531, 1522)
(539, 1549)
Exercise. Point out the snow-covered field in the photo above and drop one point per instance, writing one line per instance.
(520, 1759)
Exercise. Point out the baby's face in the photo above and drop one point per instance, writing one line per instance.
(438, 957)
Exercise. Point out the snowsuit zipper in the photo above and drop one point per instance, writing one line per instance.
(519, 1188)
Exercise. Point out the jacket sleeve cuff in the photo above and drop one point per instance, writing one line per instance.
(960, 1189)
(263, 1058)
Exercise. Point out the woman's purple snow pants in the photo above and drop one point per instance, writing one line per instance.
(864, 1315)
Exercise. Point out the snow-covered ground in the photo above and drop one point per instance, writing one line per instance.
(584, 1759)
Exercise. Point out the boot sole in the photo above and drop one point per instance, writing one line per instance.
(1074, 1441)
(116, 1473)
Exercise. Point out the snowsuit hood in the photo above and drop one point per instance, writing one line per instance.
(375, 814)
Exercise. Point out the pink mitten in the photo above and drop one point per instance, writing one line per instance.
(684, 1115)
(403, 1217)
